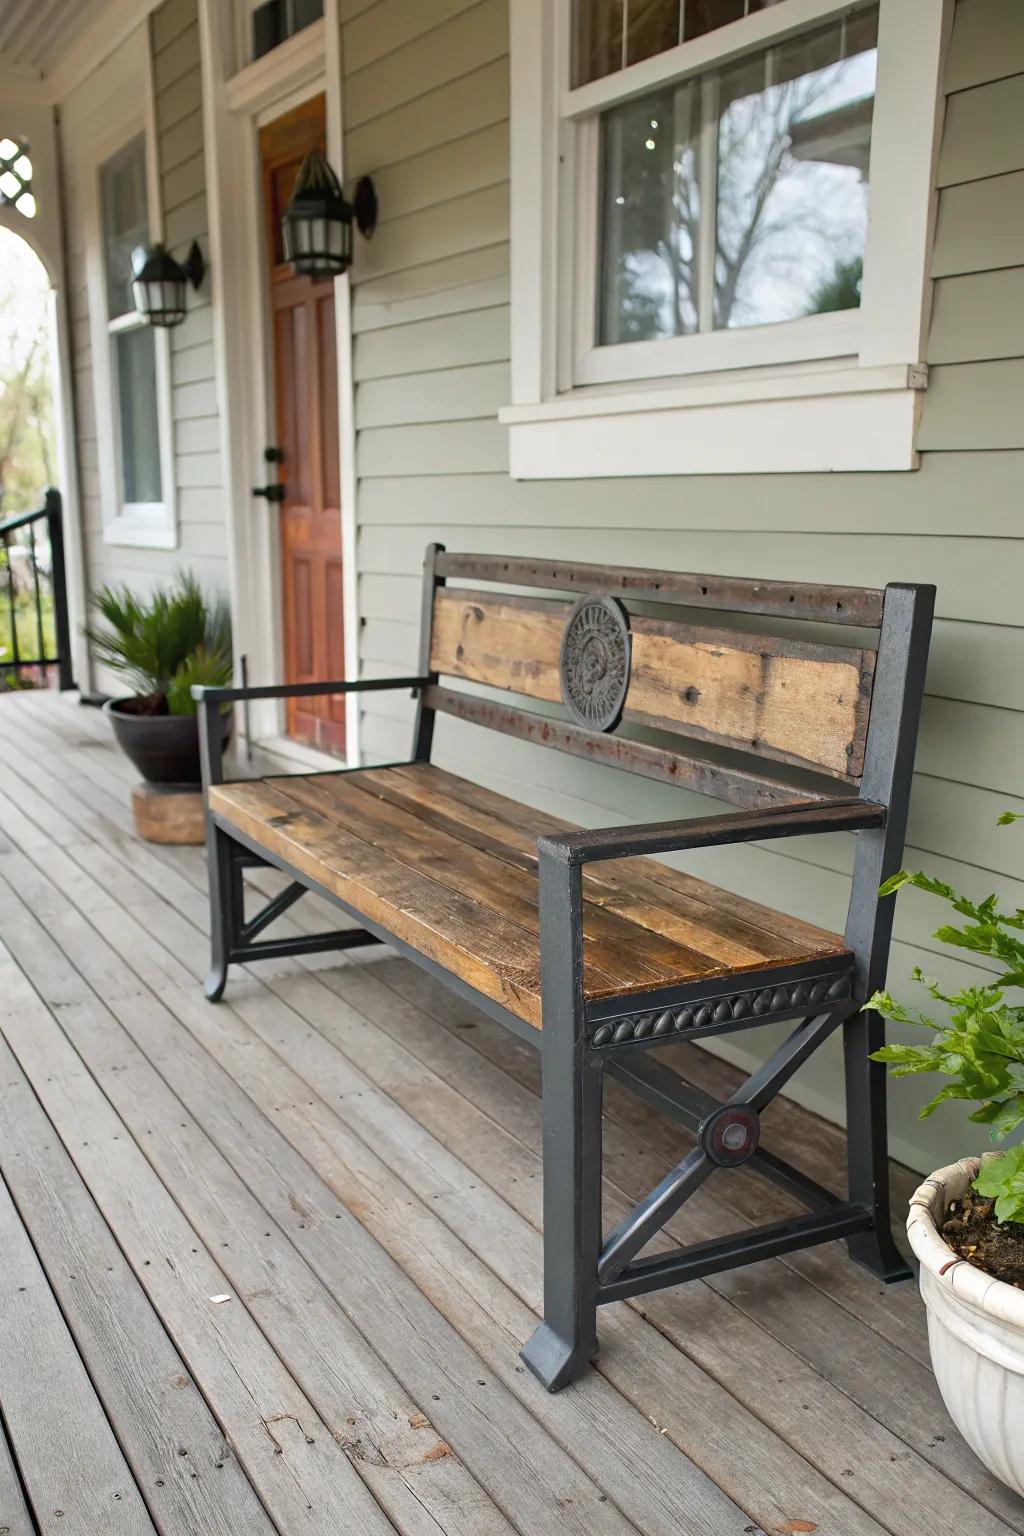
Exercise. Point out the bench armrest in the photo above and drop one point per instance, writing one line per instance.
(711, 831)
(210, 702)
(204, 695)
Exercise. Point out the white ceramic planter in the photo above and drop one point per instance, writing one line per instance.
(975, 1331)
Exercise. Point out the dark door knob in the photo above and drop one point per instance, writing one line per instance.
(271, 492)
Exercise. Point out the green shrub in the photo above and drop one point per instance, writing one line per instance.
(981, 1047)
(166, 643)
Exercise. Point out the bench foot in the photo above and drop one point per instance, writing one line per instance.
(553, 1360)
(216, 981)
(876, 1251)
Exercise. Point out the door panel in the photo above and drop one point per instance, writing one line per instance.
(306, 413)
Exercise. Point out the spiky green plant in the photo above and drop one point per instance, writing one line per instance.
(165, 643)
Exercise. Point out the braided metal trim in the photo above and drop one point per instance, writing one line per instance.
(729, 1008)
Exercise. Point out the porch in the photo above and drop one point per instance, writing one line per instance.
(268, 1266)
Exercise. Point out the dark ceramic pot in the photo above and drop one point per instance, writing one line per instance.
(164, 748)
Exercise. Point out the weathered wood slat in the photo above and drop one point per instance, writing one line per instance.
(14, 1512)
(88, 1487)
(700, 917)
(460, 904)
(797, 600)
(304, 1479)
(786, 699)
(616, 946)
(173, 1443)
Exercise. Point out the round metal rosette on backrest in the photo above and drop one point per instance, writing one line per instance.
(594, 662)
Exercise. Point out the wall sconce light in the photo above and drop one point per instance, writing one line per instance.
(316, 226)
(160, 283)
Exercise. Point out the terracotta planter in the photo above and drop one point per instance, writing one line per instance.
(164, 748)
(975, 1332)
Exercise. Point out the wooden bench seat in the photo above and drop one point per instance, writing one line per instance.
(451, 869)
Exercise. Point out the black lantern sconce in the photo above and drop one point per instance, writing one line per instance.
(160, 283)
(316, 226)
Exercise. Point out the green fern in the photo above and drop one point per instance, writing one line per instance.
(176, 634)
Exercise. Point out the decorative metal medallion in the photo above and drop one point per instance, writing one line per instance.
(594, 662)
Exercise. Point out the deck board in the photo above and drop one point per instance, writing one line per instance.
(386, 1137)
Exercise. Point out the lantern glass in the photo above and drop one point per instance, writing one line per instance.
(317, 223)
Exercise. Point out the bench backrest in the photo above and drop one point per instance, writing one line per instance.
(781, 703)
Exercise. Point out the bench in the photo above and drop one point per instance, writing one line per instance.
(585, 942)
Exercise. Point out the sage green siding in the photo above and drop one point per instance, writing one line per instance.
(426, 99)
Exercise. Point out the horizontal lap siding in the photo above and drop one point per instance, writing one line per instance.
(431, 353)
(198, 478)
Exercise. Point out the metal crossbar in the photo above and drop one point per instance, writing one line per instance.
(637, 1229)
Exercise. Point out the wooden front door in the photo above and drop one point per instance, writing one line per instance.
(306, 412)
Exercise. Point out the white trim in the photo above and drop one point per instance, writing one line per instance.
(268, 81)
(685, 381)
(235, 104)
(872, 430)
(145, 525)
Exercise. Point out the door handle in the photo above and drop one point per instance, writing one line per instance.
(275, 490)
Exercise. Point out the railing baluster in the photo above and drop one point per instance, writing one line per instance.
(50, 513)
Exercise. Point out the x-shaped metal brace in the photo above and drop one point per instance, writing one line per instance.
(726, 1138)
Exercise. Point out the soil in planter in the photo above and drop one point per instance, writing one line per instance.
(972, 1231)
(144, 704)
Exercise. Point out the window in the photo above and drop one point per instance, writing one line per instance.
(16, 176)
(132, 382)
(273, 21)
(720, 203)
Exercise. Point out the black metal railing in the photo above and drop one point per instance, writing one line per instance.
(33, 591)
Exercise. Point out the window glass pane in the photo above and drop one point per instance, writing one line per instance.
(794, 139)
(125, 221)
(650, 26)
(649, 214)
(597, 39)
(782, 140)
(135, 363)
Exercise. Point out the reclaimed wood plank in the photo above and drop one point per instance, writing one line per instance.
(667, 895)
(782, 698)
(173, 1444)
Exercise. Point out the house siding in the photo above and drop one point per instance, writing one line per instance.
(425, 104)
(202, 540)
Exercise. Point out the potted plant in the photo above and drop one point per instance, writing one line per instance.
(162, 645)
(966, 1222)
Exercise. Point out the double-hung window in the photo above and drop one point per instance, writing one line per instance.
(721, 215)
(132, 379)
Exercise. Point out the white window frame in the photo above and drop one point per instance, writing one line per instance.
(835, 391)
(149, 525)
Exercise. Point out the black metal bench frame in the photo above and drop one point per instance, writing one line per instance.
(580, 1042)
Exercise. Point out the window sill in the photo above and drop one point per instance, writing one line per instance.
(140, 534)
(807, 423)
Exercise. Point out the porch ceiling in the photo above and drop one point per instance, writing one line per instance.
(39, 39)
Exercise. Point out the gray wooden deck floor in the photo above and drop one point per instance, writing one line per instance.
(266, 1267)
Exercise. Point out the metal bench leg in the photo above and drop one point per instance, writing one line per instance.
(566, 1341)
(867, 1147)
(225, 878)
